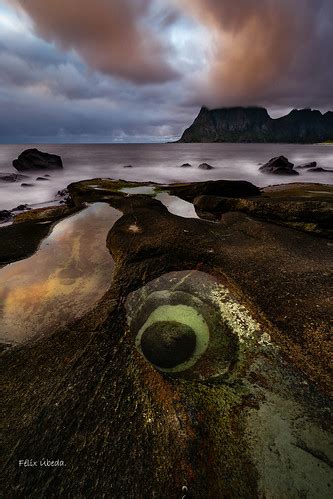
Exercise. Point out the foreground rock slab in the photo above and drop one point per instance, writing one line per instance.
(249, 417)
(33, 159)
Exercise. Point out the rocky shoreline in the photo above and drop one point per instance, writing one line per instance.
(255, 267)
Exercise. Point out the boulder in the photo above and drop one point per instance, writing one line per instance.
(33, 159)
(312, 164)
(128, 166)
(42, 178)
(205, 166)
(25, 184)
(22, 207)
(11, 177)
(279, 166)
(186, 165)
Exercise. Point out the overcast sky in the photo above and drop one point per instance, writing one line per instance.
(139, 70)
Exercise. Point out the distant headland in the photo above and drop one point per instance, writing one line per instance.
(254, 124)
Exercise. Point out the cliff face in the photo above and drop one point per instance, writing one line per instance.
(253, 124)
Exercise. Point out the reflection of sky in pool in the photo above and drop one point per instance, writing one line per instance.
(68, 274)
(175, 205)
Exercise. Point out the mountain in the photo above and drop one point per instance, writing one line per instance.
(254, 124)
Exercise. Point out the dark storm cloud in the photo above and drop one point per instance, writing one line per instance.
(111, 35)
(267, 52)
(100, 70)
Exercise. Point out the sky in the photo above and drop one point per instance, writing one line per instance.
(139, 70)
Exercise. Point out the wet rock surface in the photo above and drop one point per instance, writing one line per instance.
(227, 188)
(167, 344)
(308, 215)
(33, 159)
(87, 391)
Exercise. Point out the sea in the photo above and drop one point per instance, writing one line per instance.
(158, 163)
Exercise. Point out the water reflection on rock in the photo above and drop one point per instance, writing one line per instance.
(69, 273)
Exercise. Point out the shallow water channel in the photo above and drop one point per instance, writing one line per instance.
(69, 273)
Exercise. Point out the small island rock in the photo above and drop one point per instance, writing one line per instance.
(33, 159)
(205, 166)
(312, 164)
(318, 169)
(11, 177)
(279, 166)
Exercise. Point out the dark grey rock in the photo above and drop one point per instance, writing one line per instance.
(11, 177)
(33, 159)
(21, 207)
(312, 164)
(319, 169)
(205, 166)
(128, 166)
(279, 166)
(5, 216)
(186, 165)
(24, 184)
(43, 178)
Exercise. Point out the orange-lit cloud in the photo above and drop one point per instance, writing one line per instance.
(259, 48)
(110, 35)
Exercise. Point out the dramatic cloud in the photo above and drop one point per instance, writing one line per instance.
(112, 36)
(267, 51)
(138, 70)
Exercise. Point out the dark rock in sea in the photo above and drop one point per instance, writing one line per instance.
(128, 166)
(253, 124)
(33, 159)
(11, 177)
(186, 165)
(319, 169)
(312, 164)
(62, 193)
(24, 184)
(5, 216)
(42, 178)
(46, 175)
(279, 166)
(21, 207)
(205, 166)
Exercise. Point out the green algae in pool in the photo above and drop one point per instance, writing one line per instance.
(67, 275)
(189, 301)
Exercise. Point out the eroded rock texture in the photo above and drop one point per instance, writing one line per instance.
(248, 418)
